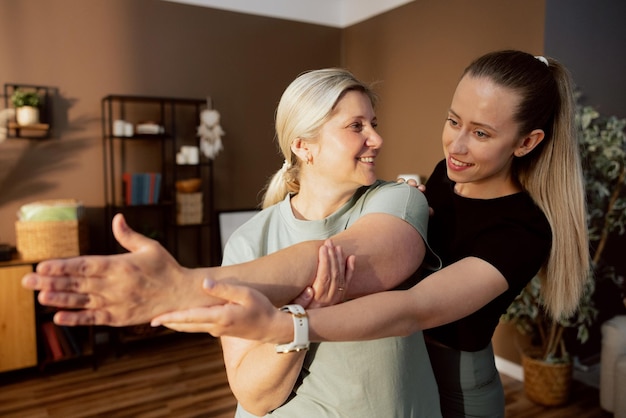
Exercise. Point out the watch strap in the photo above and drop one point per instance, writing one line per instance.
(300, 330)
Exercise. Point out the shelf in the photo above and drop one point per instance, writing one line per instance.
(34, 127)
(41, 130)
(160, 205)
(178, 119)
(36, 131)
(149, 137)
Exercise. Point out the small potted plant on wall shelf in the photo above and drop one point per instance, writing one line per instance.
(26, 105)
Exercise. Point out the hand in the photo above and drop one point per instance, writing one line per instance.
(247, 314)
(411, 182)
(117, 290)
(334, 273)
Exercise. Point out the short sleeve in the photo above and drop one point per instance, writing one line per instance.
(407, 203)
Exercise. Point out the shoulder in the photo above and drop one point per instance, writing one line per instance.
(245, 243)
(394, 198)
(393, 190)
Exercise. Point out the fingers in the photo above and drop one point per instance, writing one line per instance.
(349, 273)
(64, 267)
(330, 283)
(66, 300)
(88, 317)
(191, 328)
(338, 268)
(305, 298)
(321, 287)
(127, 237)
(187, 316)
(412, 182)
(227, 292)
(83, 266)
(68, 284)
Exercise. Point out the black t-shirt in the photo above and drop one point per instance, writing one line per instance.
(511, 233)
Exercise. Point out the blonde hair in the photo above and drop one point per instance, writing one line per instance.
(552, 173)
(304, 107)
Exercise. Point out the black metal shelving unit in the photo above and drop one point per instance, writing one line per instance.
(190, 244)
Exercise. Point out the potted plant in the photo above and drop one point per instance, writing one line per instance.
(26, 105)
(603, 152)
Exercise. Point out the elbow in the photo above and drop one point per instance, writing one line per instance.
(255, 409)
(257, 404)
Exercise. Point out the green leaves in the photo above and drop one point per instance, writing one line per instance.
(602, 143)
(603, 152)
(22, 98)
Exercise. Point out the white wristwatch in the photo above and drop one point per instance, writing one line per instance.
(300, 330)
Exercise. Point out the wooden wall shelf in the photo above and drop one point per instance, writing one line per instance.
(40, 130)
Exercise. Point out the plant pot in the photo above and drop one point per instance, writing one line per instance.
(545, 383)
(27, 115)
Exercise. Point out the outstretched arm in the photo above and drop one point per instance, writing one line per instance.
(447, 295)
(135, 287)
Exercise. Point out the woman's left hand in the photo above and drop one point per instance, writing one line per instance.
(332, 280)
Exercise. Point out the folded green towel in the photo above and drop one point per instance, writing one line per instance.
(51, 210)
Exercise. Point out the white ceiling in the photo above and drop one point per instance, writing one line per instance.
(336, 13)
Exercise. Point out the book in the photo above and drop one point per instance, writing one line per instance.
(152, 184)
(145, 189)
(127, 189)
(137, 189)
(52, 340)
(141, 188)
(66, 348)
(157, 187)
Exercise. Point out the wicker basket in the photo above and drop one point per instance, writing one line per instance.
(40, 240)
(188, 208)
(545, 383)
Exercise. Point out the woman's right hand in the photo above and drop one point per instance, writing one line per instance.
(115, 290)
(334, 273)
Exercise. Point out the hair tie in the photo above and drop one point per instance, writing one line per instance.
(543, 59)
(286, 166)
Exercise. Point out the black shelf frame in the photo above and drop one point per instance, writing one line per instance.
(166, 111)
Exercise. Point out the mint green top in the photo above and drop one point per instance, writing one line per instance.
(389, 377)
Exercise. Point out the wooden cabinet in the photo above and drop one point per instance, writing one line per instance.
(18, 338)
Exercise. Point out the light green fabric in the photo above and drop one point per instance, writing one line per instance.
(62, 210)
(388, 377)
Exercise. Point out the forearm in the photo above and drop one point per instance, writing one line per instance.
(260, 379)
(380, 315)
(381, 263)
(281, 276)
(442, 297)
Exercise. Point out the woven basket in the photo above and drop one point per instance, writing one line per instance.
(189, 208)
(545, 383)
(40, 240)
